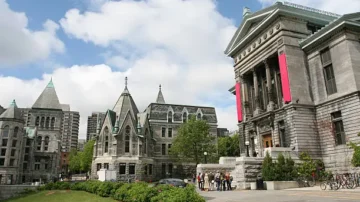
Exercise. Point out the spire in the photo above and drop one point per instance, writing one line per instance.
(13, 112)
(126, 82)
(48, 99)
(160, 97)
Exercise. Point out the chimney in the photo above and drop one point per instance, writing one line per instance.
(246, 11)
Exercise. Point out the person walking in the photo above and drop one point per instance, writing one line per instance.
(199, 180)
(206, 182)
(217, 180)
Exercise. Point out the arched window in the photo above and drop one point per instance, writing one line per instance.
(37, 121)
(16, 131)
(106, 134)
(42, 123)
(52, 122)
(170, 115)
(127, 139)
(47, 123)
(38, 143)
(198, 116)
(6, 132)
(145, 141)
(184, 117)
(46, 143)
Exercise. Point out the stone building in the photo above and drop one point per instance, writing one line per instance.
(297, 72)
(92, 123)
(31, 140)
(70, 129)
(135, 144)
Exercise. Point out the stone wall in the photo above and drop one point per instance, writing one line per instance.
(8, 191)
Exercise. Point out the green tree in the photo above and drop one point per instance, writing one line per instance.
(192, 140)
(267, 168)
(307, 166)
(87, 155)
(74, 161)
(355, 161)
(229, 145)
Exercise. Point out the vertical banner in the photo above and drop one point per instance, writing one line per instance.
(285, 85)
(238, 101)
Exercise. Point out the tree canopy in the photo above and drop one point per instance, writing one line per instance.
(81, 161)
(192, 140)
(229, 145)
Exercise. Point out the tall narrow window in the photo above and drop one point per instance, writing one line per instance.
(170, 117)
(37, 121)
(4, 142)
(46, 146)
(170, 169)
(127, 139)
(98, 166)
(338, 128)
(184, 117)
(132, 169)
(38, 143)
(329, 75)
(284, 142)
(145, 170)
(163, 149)
(145, 142)
(106, 166)
(169, 147)
(106, 144)
(198, 117)
(122, 168)
(163, 132)
(47, 123)
(6, 132)
(16, 131)
(163, 169)
(150, 169)
(52, 125)
(169, 132)
(42, 123)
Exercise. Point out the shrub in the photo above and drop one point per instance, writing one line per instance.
(179, 195)
(281, 170)
(267, 168)
(122, 193)
(355, 161)
(307, 167)
(105, 189)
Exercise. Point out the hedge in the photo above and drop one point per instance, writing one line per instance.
(134, 192)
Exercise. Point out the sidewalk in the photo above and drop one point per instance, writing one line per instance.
(317, 188)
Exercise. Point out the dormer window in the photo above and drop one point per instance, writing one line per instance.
(184, 117)
(170, 117)
(198, 117)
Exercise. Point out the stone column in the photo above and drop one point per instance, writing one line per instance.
(270, 105)
(244, 98)
(256, 91)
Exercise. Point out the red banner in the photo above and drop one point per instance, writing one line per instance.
(284, 78)
(238, 102)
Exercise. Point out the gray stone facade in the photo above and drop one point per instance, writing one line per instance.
(322, 112)
(136, 145)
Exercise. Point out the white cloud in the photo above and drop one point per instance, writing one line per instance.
(335, 6)
(21, 45)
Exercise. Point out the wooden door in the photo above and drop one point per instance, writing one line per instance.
(267, 141)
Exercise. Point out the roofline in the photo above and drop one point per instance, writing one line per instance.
(315, 38)
(180, 105)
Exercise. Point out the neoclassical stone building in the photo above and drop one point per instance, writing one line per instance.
(30, 140)
(135, 144)
(297, 72)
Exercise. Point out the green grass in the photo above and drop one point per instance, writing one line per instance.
(61, 196)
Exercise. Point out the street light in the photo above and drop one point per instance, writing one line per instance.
(247, 148)
(205, 154)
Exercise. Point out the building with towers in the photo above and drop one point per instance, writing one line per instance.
(135, 144)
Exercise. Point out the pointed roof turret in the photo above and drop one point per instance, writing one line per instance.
(13, 112)
(124, 104)
(48, 99)
(160, 98)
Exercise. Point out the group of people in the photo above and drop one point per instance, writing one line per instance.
(209, 181)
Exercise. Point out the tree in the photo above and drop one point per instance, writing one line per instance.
(192, 140)
(74, 161)
(87, 156)
(229, 145)
(355, 161)
(267, 168)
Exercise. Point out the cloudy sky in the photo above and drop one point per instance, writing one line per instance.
(89, 46)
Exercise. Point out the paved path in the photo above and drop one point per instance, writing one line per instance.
(297, 195)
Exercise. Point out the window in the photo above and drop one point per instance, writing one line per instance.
(338, 128)
(2, 161)
(145, 145)
(46, 143)
(170, 169)
(3, 152)
(170, 117)
(163, 169)
(38, 142)
(169, 132)
(6, 132)
(329, 75)
(132, 169)
(26, 157)
(98, 166)
(283, 138)
(150, 169)
(145, 169)
(46, 166)
(122, 168)
(14, 143)
(52, 125)
(106, 166)
(27, 150)
(24, 166)
(4, 142)
(16, 131)
(127, 139)
(47, 123)
(184, 117)
(163, 149)
(13, 152)
(42, 123)
(37, 166)
(28, 142)
(106, 131)
(163, 132)
(198, 117)
(169, 147)
(37, 121)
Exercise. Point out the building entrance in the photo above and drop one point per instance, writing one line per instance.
(267, 141)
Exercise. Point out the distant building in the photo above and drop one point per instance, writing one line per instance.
(92, 123)
(222, 132)
(81, 144)
(70, 129)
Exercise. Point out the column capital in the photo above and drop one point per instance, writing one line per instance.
(266, 62)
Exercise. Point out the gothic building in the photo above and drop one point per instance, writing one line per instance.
(135, 144)
(31, 139)
(297, 82)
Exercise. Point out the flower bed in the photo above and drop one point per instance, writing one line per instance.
(135, 192)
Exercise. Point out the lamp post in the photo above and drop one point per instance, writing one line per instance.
(247, 148)
(205, 154)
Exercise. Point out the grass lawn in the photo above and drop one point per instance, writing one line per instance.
(61, 196)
